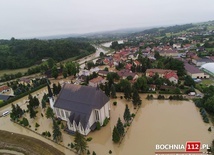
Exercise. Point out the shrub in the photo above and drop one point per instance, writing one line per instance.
(88, 152)
(48, 134)
(133, 115)
(89, 139)
(121, 97)
(209, 129)
(37, 125)
(72, 145)
(25, 121)
(115, 103)
(62, 126)
(94, 153)
(105, 122)
(98, 126)
(110, 152)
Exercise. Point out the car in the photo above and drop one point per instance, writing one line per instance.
(198, 95)
(5, 113)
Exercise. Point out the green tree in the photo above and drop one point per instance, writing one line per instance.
(120, 127)
(25, 121)
(43, 104)
(188, 81)
(90, 64)
(57, 135)
(136, 98)
(115, 135)
(127, 91)
(65, 72)
(107, 90)
(32, 112)
(209, 104)
(49, 113)
(51, 63)
(127, 115)
(80, 143)
(102, 54)
(113, 91)
(54, 72)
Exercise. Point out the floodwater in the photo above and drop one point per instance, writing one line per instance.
(156, 122)
(108, 44)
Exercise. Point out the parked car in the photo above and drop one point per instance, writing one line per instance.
(5, 113)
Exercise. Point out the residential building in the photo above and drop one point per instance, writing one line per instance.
(125, 73)
(171, 75)
(201, 61)
(194, 72)
(4, 89)
(82, 107)
(96, 81)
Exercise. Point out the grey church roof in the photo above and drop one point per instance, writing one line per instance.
(80, 100)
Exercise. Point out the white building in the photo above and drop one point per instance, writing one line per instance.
(82, 107)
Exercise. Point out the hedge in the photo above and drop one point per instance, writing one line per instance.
(22, 95)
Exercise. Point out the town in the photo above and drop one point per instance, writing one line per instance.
(110, 95)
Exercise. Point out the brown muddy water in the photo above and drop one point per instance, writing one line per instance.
(156, 122)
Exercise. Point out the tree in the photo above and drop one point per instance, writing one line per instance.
(102, 54)
(65, 72)
(209, 104)
(90, 64)
(51, 63)
(113, 91)
(54, 72)
(80, 143)
(127, 91)
(16, 112)
(55, 89)
(25, 121)
(57, 135)
(43, 104)
(32, 112)
(107, 90)
(49, 113)
(120, 127)
(136, 98)
(127, 115)
(115, 135)
(188, 81)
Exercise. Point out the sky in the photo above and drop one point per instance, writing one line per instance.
(37, 18)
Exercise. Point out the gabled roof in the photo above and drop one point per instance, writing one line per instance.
(5, 97)
(80, 100)
(2, 88)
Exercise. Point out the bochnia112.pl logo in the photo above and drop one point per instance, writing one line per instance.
(190, 148)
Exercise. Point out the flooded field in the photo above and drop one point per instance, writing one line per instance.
(156, 122)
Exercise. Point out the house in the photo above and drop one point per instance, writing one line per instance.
(103, 73)
(169, 53)
(172, 77)
(161, 72)
(4, 89)
(201, 61)
(194, 72)
(125, 73)
(5, 97)
(96, 81)
(81, 107)
(128, 66)
(152, 87)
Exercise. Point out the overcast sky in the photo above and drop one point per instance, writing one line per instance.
(33, 18)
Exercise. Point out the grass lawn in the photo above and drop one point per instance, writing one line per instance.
(26, 145)
(207, 81)
(13, 71)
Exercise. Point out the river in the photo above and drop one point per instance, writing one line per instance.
(108, 44)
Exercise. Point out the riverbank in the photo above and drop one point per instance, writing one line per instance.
(26, 145)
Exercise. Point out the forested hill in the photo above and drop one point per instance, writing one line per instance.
(25, 53)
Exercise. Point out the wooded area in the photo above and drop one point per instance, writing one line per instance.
(16, 53)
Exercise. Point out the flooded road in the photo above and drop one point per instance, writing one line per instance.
(156, 122)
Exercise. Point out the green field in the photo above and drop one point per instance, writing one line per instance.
(13, 71)
(208, 81)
